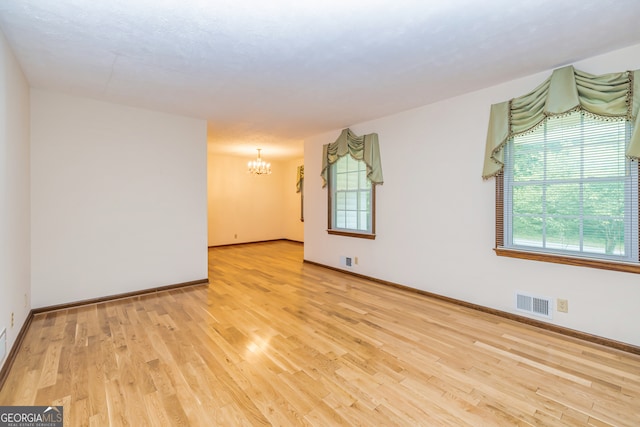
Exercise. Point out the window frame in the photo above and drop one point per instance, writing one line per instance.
(302, 200)
(300, 189)
(567, 259)
(330, 212)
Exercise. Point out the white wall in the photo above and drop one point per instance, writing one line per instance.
(247, 208)
(15, 294)
(435, 226)
(118, 199)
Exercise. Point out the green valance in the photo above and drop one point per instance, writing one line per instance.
(299, 178)
(608, 96)
(364, 148)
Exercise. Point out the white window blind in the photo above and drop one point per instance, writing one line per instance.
(569, 189)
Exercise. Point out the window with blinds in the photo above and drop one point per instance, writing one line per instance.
(570, 190)
(351, 196)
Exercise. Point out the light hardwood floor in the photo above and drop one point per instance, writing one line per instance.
(274, 341)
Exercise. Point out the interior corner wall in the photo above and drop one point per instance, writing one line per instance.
(435, 216)
(15, 294)
(118, 199)
(247, 208)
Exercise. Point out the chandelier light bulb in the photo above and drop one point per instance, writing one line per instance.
(259, 166)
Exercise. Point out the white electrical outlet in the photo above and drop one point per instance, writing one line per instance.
(563, 305)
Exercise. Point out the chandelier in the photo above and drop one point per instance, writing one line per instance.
(259, 166)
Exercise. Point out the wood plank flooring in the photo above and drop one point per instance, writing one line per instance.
(273, 341)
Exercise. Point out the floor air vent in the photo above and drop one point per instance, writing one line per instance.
(539, 306)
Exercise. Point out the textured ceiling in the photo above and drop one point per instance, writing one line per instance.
(267, 73)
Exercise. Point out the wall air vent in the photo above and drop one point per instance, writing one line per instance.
(536, 305)
(346, 261)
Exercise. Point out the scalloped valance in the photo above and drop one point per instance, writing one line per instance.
(614, 96)
(363, 147)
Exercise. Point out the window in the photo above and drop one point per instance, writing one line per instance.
(351, 198)
(351, 166)
(568, 190)
(300, 189)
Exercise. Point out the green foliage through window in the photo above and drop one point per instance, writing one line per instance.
(569, 189)
(351, 195)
